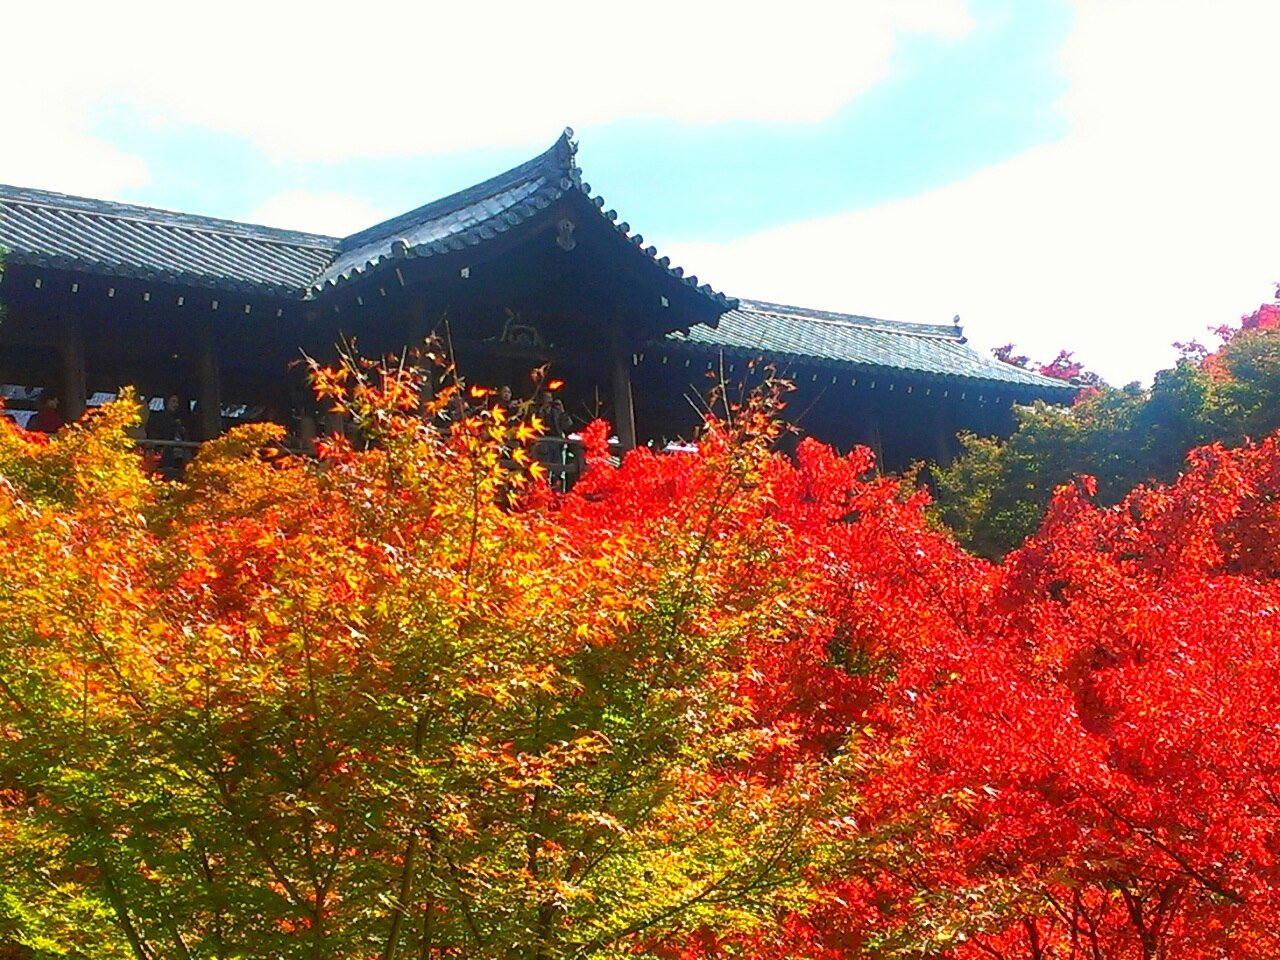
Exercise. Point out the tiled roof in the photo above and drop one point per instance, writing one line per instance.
(117, 239)
(58, 231)
(839, 339)
(486, 211)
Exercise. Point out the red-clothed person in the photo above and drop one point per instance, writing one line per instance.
(48, 418)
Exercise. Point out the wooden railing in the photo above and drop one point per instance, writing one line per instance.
(562, 457)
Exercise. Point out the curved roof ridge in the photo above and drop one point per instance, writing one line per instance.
(558, 159)
(940, 330)
(159, 216)
(482, 212)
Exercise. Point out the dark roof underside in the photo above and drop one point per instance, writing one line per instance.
(836, 339)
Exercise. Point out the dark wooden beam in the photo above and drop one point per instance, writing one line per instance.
(75, 389)
(209, 397)
(623, 404)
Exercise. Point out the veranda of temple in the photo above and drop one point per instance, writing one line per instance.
(527, 270)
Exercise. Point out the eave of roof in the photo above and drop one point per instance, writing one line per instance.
(848, 341)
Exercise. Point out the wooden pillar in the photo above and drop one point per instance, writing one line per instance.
(419, 329)
(307, 433)
(623, 406)
(334, 426)
(209, 397)
(428, 391)
(943, 435)
(75, 390)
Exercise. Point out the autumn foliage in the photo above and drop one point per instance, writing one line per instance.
(996, 493)
(402, 701)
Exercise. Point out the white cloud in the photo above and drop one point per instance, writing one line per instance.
(1154, 219)
(319, 81)
(52, 150)
(334, 214)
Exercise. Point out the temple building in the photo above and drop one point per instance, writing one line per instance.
(529, 268)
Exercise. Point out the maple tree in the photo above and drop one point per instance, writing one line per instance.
(1071, 755)
(1064, 366)
(397, 701)
(996, 492)
(1099, 762)
(404, 700)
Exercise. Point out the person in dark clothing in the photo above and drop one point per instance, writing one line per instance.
(503, 399)
(167, 425)
(48, 418)
(453, 414)
(556, 422)
(550, 450)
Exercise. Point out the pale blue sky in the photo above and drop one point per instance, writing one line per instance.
(1089, 174)
(947, 108)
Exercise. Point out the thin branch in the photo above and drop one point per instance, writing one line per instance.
(114, 897)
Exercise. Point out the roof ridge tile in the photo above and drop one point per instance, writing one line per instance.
(938, 330)
(551, 161)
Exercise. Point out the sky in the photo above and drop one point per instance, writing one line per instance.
(1091, 175)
